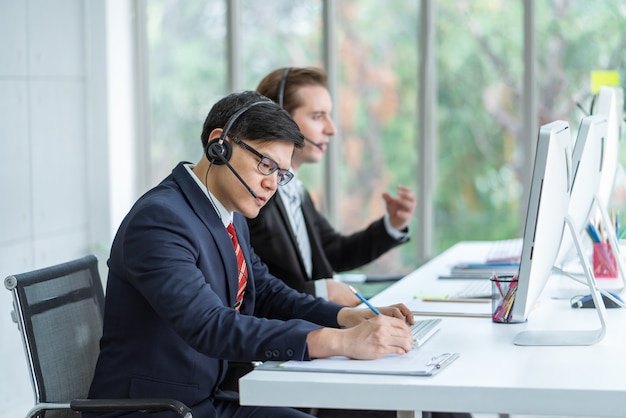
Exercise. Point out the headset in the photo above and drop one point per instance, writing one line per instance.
(281, 95)
(281, 86)
(218, 150)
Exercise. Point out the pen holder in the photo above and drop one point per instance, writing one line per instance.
(502, 297)
(604, 265)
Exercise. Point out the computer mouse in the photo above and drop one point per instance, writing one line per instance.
(587, 302)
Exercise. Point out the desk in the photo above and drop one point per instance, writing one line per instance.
(491, 376)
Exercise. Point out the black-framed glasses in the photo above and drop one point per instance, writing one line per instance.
(266, 165)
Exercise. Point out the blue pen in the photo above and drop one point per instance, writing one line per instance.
(593, 233)
(369, 305)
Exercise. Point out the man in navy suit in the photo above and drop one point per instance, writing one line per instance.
(184, 298)
(303, 92)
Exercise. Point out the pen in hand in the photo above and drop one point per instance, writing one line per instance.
(369, 305)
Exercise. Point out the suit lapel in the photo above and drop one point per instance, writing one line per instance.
(309, 214)
(317, 251)
(209, 217)
(282, 211)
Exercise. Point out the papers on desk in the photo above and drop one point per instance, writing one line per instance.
(481, 270)
(478, 308)
(414, 363)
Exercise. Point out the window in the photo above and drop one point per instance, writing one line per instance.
(188, 73)
(481, 166)
(479, 76)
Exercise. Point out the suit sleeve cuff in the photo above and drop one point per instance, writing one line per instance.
(321, 290)
(393, 232)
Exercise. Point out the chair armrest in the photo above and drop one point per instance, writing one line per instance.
(138, 404)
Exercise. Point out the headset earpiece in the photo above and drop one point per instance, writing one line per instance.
(218, 151)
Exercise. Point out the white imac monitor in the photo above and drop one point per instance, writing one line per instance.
(545, 217)
(610, 103)
(587, 168)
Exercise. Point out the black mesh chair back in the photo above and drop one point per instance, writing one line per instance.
(59, 312)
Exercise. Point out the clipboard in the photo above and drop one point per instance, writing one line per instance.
(414, 363)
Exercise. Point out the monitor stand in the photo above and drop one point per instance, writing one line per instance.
(571, 337)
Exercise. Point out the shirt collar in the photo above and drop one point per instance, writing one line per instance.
(225, 216)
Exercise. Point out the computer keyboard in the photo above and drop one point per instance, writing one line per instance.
(423, 329)
(474, 289)
(506, 250)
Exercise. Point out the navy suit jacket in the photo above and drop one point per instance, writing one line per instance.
(331, 252)
(169, 322)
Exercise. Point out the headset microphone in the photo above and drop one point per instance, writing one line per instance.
(216, 153)
(315, 144)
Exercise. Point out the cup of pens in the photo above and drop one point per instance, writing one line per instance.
(604, 265)
(503, 290)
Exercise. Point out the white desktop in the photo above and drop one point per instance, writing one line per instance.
(491, 375)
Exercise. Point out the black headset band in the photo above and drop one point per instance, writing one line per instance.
(237, 114)
(281, 86)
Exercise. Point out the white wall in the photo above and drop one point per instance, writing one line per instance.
(57, 101)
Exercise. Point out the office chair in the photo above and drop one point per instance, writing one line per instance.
(59, 312)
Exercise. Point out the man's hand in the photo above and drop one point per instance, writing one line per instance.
(401, 208)
(372, 338)
(350, 317)
(340, 293)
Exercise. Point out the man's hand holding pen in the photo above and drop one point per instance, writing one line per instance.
(365, 334)
(377, 337)
(350, 317)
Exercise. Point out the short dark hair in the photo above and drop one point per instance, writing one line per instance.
(266, 121)
(295, 78)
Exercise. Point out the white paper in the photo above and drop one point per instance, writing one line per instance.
(457, 308)
(416, 362)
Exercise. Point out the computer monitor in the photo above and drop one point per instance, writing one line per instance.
(545, 217)
(610, 103)
(546, 220)
(587, 167)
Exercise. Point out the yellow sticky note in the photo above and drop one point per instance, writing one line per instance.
(603, 78)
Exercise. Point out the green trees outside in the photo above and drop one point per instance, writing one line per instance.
(479, 83)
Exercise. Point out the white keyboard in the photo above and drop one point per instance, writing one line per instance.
(506, 250)
(474, 289)
(423, 329)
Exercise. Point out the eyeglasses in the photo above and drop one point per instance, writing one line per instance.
(266, 165)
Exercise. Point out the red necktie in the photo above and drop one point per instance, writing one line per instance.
(241, 266)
